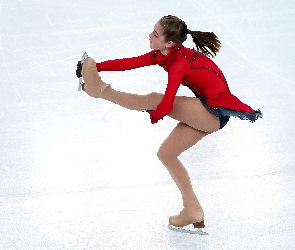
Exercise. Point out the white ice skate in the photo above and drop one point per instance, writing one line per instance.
(84, 56)
(188, 230)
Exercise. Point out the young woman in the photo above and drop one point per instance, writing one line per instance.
(198, 116)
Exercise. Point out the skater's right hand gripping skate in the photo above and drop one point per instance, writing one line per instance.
(79, 69)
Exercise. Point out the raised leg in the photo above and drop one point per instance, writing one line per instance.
(188, 110)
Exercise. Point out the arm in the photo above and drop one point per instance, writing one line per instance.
(175, 76)
(127, 63)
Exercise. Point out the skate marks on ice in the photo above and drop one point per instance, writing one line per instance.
(187, 230)
(248, 17)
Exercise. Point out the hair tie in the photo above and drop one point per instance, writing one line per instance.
(188, 31)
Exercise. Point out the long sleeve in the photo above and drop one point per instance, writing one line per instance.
(175, 75)
(127, 63)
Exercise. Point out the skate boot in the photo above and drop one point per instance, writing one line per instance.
(78, 71)
(93, 85)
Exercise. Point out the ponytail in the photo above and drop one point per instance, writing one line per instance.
(206, 42)
(176, 30)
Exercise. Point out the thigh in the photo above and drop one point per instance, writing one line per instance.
(180, 139)
(191, 111)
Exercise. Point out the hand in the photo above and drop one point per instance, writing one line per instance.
(153, 120)
(79, 69)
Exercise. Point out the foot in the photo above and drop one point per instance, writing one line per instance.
(93, 85)
(187, 216)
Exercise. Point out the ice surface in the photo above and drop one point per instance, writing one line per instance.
(81, 173)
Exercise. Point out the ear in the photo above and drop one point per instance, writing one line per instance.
(170, 44)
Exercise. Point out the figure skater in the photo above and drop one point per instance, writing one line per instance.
(198, 116)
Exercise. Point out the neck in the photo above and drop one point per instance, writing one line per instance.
(165, 51)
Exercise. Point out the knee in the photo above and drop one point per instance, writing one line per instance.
(165, 155)
(154, 98)
(161, 155)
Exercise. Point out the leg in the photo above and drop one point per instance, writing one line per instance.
(188, 110)
(180, 139)
(195, 123)
(192, 112)
(95, 87)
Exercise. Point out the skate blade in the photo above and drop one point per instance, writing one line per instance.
(84, 56)
(188, 231)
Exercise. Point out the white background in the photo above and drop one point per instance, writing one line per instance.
(82, 173)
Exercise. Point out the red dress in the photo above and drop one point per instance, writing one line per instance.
(194, 70)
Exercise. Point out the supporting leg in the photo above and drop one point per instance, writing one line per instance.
(180, 139)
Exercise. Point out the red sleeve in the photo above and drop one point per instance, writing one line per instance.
(175, 75)
(127, 63)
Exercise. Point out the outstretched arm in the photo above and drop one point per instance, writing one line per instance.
(127, 63)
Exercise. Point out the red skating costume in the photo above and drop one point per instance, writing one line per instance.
(194, 70)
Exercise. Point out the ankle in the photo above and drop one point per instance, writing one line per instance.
(192, 210)
(105, 88)
(192, 203)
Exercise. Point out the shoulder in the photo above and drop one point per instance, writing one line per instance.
(150, 54)
(149, 57)
(180, 56)
(189, 54)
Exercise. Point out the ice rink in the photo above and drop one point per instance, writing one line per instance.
(82, 173)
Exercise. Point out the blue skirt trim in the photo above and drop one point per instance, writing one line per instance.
(219, 112)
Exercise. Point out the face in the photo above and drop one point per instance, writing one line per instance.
(158, 40)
